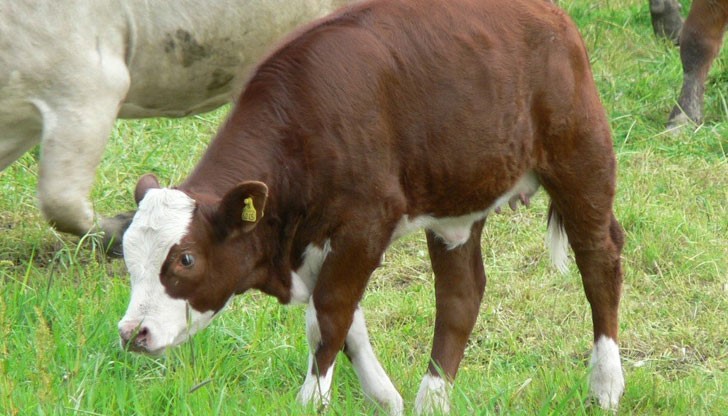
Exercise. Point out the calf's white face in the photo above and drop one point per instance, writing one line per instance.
(186, 259)
(155, 320)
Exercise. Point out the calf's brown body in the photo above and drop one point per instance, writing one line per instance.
(394, 113)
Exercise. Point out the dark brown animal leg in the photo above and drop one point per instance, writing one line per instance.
(666, 19)
(600, 268)
(582, 207)
(340, 285)
(459, 285)
(700, 42)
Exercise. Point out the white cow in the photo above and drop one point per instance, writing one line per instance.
(69, 68)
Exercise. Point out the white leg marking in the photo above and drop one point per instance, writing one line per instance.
(607, 381)
(433, 397)
(374, 380)
(316, 389)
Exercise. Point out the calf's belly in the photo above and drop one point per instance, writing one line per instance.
(455, 231)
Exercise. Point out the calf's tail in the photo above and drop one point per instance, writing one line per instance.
(557, 240)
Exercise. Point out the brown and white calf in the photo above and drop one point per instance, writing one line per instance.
(382, 119)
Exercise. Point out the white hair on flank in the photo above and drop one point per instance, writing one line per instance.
(161, 221)
(455, 231)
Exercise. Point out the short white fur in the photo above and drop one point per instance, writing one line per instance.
(377, 386)
(606, 383)
(160, 222)
(374, 380)
(316, 389)
(303, 280)
(455, 231)
(433, 396)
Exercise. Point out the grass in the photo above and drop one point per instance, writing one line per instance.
(60, 299)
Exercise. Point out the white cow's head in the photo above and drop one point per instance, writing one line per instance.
(181, 255)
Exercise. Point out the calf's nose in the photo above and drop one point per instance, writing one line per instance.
(134, 336)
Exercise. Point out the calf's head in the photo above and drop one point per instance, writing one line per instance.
(183, 262)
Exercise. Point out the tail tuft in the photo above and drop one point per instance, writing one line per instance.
(557, 241)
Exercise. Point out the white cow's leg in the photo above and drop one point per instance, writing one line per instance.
(75, 131)
(12, 148)
(316, 389)
(375, 382)
(71, 148)
(20, 129)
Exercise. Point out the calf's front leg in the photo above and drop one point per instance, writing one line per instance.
(339, 287)
(316, 388)
(377, 386)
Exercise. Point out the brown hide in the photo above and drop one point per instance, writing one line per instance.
(404, 108)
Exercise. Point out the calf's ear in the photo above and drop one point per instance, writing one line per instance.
(242, 207)
(145, 183)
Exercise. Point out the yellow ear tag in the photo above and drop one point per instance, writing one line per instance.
(249, 213)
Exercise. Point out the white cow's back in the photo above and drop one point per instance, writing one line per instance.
(69, 68)
(207, 50)
(182, 57)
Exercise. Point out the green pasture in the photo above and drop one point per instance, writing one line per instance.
(60, 299)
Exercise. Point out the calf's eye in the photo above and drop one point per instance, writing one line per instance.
(187, 260)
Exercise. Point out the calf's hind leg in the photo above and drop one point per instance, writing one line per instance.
(582, 207)
(459, 286)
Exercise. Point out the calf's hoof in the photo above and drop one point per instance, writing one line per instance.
(394, 407)
(666, 20)
(679, 119)
(388, 402)
(433, 398)
(315, 392)
(606, 384)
